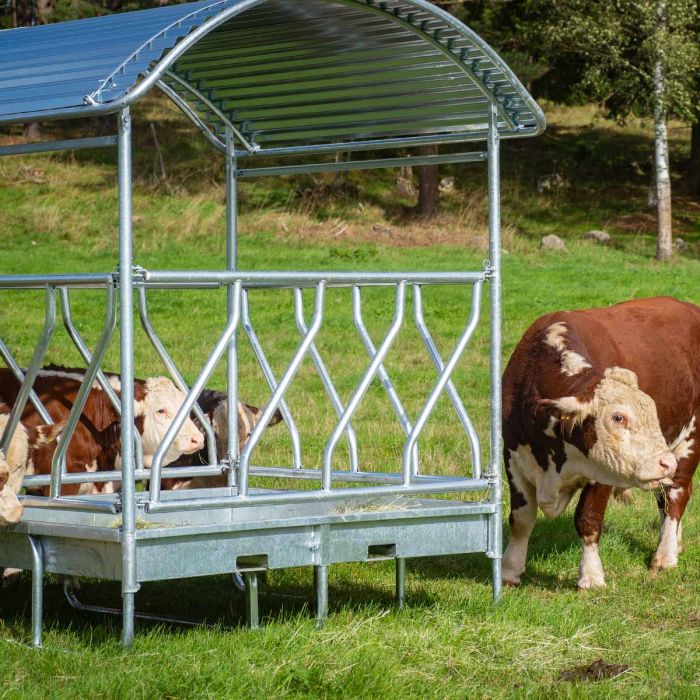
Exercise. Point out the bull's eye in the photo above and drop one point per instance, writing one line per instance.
(162, 411)
(619, 418)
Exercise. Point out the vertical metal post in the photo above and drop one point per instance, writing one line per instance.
(37, 589)
(252, 610)
(321, 586)
(126, 348)
(232, 349)
(495, 538)
(400, 582)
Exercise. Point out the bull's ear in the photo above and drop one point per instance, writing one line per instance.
(276, 417)
(42, 435)
(4, 478)
(569, 409)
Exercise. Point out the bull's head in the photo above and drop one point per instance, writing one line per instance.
(248, 417)
(621, 432)
(13, 465)
(157, 408)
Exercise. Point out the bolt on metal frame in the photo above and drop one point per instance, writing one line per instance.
(180, 59)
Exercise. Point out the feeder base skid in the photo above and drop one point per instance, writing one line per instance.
(245, 539)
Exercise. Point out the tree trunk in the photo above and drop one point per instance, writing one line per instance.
(664, 248)
(44, 8)
(695, 159)
(428, 185)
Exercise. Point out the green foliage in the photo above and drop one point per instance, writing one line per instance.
(618, 44)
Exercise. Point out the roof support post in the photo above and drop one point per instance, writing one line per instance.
(231, 299)
(126, 348)
(495, 535)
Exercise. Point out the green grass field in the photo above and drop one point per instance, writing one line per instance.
(58, 213)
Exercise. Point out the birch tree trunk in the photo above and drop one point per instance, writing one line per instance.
(664, 248)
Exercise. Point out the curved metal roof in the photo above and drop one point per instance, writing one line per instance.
(285, 75)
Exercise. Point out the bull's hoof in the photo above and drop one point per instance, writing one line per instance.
(511, 579)
(588, 581)
(659, 564)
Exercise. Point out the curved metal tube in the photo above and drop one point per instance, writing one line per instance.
(459, 407)
(175, 373)
(272, 382)
(441, 382)
(192, 395)
(33, 369)
(19, 375)
(325, 377)
(363, 386)
(381, 371)
(58, 462)
(100, 376)
(37, 551)
(278, 393)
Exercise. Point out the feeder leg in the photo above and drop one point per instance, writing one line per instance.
(400, 582)
(252, 611)
(37, 589)
(497, 578)
(321, 586)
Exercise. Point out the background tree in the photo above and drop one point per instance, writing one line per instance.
(636, 57)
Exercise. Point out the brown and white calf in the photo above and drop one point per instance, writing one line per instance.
(95, 444)
(13, 464)
(596, 399)
(213, 405)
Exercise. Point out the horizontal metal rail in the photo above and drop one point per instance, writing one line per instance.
(344, 476)
(41, 281)
(448, 486)
(101, 477)
(475, 157)
(63, 145)
(88, 505)
(288, 279)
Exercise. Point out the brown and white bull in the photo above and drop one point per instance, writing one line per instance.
(596, 399)
(214, 406)
(13, 464)
(96, 445)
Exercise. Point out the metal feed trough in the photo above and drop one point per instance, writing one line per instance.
(259, 78)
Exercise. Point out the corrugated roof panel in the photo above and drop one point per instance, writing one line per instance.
(284, 73)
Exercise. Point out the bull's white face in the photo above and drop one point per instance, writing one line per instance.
(630, 448)
(159, 407)
(12, 468)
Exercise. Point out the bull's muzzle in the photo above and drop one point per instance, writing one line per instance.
(11, 510)
(660, 472)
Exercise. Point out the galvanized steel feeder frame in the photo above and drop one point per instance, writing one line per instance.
(263, 78)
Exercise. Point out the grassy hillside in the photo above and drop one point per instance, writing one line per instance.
(58, 213)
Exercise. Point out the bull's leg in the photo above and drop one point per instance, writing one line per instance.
(523, 513)
(589, 517)
(672, 502)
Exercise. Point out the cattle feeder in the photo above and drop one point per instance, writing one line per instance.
(277, 87)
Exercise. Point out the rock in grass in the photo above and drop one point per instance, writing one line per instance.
(597, 236)
(679, 244)
(552, 242)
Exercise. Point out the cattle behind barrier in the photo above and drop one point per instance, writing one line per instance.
(596, 399)
(13, 465)
(95, 444)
